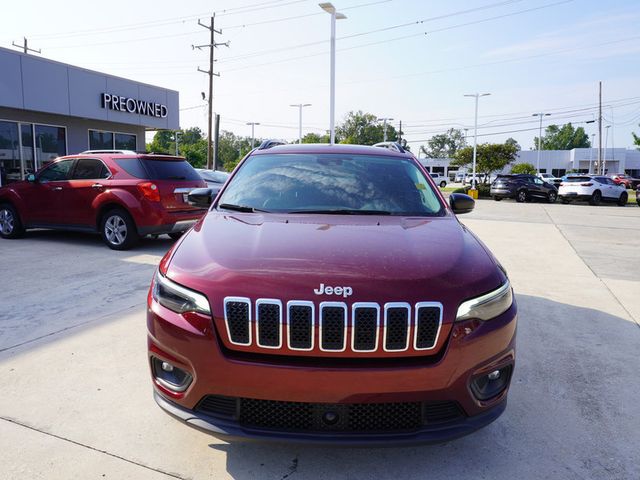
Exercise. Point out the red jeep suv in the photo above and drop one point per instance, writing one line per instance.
(123, 195)
(331, 295)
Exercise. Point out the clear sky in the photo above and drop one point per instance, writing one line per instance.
(406, 59)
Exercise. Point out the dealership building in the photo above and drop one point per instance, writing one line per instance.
(49, 109)
(559, 162)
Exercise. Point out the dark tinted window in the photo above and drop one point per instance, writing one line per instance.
(577, 179)
(133, 167)
(57, 171)
(100, 140)
(170, 170)
(327, 183)
(124, 141)
(89, 168)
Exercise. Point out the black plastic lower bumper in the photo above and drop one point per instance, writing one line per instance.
(231, 430)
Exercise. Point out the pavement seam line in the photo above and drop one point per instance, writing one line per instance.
(15, 422)
(636, 321)
(82, 324)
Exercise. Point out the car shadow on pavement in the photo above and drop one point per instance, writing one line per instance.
(158, 245)
(572, 414)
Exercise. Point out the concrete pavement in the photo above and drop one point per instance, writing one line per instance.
(77, 400)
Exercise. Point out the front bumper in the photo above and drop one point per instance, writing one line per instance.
(231, 430)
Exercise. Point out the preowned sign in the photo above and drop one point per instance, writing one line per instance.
(132, 105)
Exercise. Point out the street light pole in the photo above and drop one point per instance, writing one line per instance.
(541, 114)
(300, 106)
(253, 125)
(384, 126)
(604, 158)
(329, 8)
(474, 180)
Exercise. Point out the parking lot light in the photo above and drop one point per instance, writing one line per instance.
(329, 8)
(474, 181)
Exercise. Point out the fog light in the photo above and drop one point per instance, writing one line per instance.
(170, 376)
(490, 384)
(167, 367)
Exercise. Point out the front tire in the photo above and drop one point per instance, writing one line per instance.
(443, 184)
(497, 199)
(552, 197)
(622, 201)
(118, 230)
(10, 224)
(596, 198)
(522, 196)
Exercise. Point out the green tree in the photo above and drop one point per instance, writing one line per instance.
(523, 168)
(490, 157)
(444, 145)
(163, 142)
(315, 138)
(636, 139)
(514, 142)
(363, 129)
(566, 137)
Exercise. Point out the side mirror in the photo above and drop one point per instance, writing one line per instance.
(31, 178)
(201, 197)
(461, 203)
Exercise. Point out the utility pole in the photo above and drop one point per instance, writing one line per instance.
(541, 114)
(177, 135)
(600, 129)
(211, 45)
(253, 136)
(300, 106)
(25, 47)
(400, 133)
(215, 145)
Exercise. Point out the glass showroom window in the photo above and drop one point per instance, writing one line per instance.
(100, 140)
(125, 141)
(51, 143)
(9, 153)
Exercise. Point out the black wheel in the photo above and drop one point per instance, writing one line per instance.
(622, 201)
(552, 197)
(596, 198)
(443, 184)
(175, 235)
(10, 224)
(118, 230)
(522, 196)
(497, 199)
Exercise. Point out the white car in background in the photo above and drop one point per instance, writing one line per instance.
(439, 179)
(592, 188)
(547, 177)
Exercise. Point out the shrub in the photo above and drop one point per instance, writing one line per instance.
(523, 168)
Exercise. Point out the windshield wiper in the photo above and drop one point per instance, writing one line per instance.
(343, 211)
(240, 208)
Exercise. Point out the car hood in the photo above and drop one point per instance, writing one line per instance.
(287, 257)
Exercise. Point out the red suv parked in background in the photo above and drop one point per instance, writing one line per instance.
(122, 195)
(626, 180)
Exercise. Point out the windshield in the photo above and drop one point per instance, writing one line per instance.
(331, 183)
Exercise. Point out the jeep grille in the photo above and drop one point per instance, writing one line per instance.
(333, 326)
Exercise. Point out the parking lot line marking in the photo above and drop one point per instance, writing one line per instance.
(16, 422)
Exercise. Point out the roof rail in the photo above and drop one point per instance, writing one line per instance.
(97, 152)
(395, 146)
(270, 143)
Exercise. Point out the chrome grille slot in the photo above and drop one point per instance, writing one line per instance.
(237, 316)
(300, 325)
(365, 327)
(333, 325)
(269, 323)
(427, 325)
(396, 326)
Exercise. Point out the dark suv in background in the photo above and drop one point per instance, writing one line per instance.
(122, 195)
(523, 188)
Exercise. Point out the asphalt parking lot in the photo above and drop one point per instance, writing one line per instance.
(76, 400)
